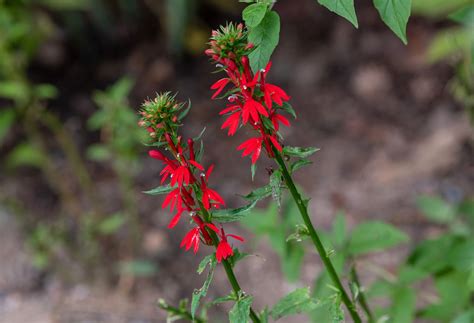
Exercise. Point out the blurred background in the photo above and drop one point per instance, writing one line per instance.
(80, 242)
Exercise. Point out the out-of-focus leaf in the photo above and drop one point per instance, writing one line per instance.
(437, 8)
(139, 268)
(298, 301)
(13, 90)
(239, 313)
(395, 14)
(430, 255)
(374, 236)
(45, 91)
(25, 154)
(66, 4)
(465, 317)
(344, 8)
(449, 42)
(265, 37)
(7, 118)
(98, 152)
(403, 305)
(461, 256)
(111, 224)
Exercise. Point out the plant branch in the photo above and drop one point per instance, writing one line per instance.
(302, 207)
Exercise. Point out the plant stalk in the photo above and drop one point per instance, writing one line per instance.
(361, 297)
(302, 207)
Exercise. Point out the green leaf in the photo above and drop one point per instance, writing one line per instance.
(373, 236)
(338, 233)
(299, 164)
(265, 37)
(344, 8)
(241, 310)
(111, 224)
(206, 261)
(25, 154)
(292, 260)
(7, 118)
(232, 215)
(164, 189)
(403, 305)
(45, 91)
(201, 292)
(184, 113)
(395, 14)
(287, 108)
(98, 152)
(14, 90)
(254, 14)
(430, 255)
(337, 314)
(275, 184)
(297, 301)
(436, 209)
(461, 256)
(299, 151)
(465, 317)
(138, 268)
(259, 194)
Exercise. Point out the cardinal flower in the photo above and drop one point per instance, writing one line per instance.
(252, 109)
(232, 122)
(224, 250)
(219, 86)
(193, 237)
(209, 196)
(252, 146)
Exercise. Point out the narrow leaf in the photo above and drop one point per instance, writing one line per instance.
(344, 8)
(395, 14)
(299, 151)
(232, 215)
(164, 189)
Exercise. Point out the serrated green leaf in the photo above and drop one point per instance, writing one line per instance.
(298, 301)
(344, 8)
(299, 164)
(436, 209)
(299, 151)
(374, 236)
(265, 38)
(241, 310)
(259, 193)
(202, 292)
(395, 14)
(275, 184)
(206, 261)
(232, 215)
(163, 189)
(254, 14)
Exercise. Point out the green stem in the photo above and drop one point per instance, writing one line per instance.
(302, 207)
(361, 297)
(181, 312)
(227, 266)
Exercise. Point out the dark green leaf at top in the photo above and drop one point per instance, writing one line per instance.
(265, 38)
(164, 189)
(254, 13)
(344, 8)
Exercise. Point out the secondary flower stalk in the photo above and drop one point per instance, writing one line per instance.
(188, 181)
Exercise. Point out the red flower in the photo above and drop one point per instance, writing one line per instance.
(181, 175)
(209, 196)
(219, 86)
(232, 122)
(224, 250)
(278, 118)
(173, 199)
(252, 146)
(274, 93)
(191, 238)
(252, 109)
(170, 164)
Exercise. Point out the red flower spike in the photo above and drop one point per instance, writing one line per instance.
(181, 176)
(252, 146)
(277, 119)
(209, 195)
(274, 93)
(219, 86)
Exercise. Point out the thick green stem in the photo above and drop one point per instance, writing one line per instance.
(302, 207)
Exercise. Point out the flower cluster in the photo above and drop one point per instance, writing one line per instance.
(252, 100)
(187, 178)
